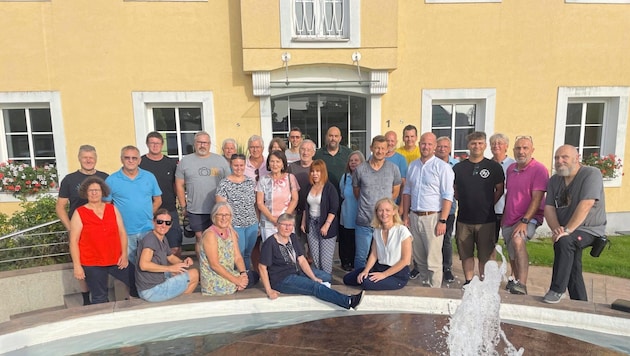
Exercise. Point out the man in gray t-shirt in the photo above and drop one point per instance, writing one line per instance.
(576, 214)
(196, 180)
(373, 180)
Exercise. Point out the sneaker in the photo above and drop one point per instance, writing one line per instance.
(518, 288)
(552, 297)
(510, 283)
(413, 274)
(355, 300)
(448, 276)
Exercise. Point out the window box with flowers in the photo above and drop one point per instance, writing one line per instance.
(22, 180)
(609, 165)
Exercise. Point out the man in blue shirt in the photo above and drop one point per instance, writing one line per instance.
(136, 194)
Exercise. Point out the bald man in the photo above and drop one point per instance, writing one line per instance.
(575, 211)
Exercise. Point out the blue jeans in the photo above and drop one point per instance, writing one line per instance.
(395, 281)
(363, 240)
(301, 284)
(132, 245)
(246, 240)
(173, 286)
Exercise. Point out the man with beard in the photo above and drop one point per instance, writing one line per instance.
(576, 214)
(334, 155)
(526, 183)
(196, 180)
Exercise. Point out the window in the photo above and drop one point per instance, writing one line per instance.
(594, 120)
(32, 129)
(177, 116)
(320, 23)
(457, 112)
(455, 121)
(315, 113)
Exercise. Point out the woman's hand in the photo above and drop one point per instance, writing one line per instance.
(188, 261)
(242, 281)
(273, 294)
(362, 276)
(178, 268)
(324, 229)
(123, 262)
(303, 226)
(79, 273)
(376, 276)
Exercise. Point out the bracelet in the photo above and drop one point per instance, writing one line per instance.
(329, 222)
(241, 272)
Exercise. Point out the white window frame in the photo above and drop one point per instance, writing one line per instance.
(352, 15)
(615, 118)
(143, 103)
(50, 99)
(484, 99)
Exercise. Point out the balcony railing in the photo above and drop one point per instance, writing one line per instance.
(34, 247)
(319, 20)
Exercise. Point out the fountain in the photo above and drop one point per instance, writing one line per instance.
(411, 321)
(475, 328)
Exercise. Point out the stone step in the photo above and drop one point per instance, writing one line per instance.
(35, 312)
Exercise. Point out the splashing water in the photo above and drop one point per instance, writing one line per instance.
(475, 328)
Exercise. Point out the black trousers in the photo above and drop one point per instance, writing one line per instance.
(567, 264)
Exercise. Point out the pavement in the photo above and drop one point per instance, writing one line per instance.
(602, 292)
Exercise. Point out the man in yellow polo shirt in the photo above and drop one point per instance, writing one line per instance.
(410, 150)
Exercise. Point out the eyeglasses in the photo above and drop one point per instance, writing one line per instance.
(286, 226)
(237, 156)
(131, 158)
(476, 170)
(257, 172)
(166, 222)
(295, 137)
(223, 215)
(203, 143)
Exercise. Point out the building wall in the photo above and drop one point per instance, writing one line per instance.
(97, 53)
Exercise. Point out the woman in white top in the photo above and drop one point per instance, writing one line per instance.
(387, 266)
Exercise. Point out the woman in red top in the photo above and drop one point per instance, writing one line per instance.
(98, 242)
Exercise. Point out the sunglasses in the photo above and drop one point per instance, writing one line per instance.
(167, 222)
(237, 156)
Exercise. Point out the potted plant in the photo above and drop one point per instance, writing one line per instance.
(609, 165)
(21, 180)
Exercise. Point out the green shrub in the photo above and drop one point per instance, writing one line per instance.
(40, 242)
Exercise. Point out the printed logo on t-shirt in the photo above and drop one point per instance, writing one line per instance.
(484, 173)
(209, 172)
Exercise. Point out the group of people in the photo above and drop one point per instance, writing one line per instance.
(277, 219)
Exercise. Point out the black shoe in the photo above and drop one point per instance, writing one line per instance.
(518, 288)
(413, 274)
(448, 276)
(355, 300)
(347, 267)
(510, 283)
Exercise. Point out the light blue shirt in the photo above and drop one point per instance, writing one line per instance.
(428, 184)
(134, 199)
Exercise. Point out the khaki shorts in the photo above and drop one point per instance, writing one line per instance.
(469, 235)
(507, 231)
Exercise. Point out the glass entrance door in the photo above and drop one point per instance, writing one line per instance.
(315, 113)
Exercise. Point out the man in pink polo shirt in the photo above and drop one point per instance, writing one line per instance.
(526, 183)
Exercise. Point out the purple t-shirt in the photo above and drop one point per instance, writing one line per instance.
(519, 185)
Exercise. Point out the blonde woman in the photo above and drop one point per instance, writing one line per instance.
(387, 266)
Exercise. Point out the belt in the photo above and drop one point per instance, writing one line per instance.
(424, 213)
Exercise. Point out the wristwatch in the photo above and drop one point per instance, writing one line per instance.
(525, 221)
(443, 221)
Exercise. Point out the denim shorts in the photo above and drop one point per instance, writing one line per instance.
(172, 287)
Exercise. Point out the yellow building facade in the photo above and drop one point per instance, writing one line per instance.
(107, 72)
